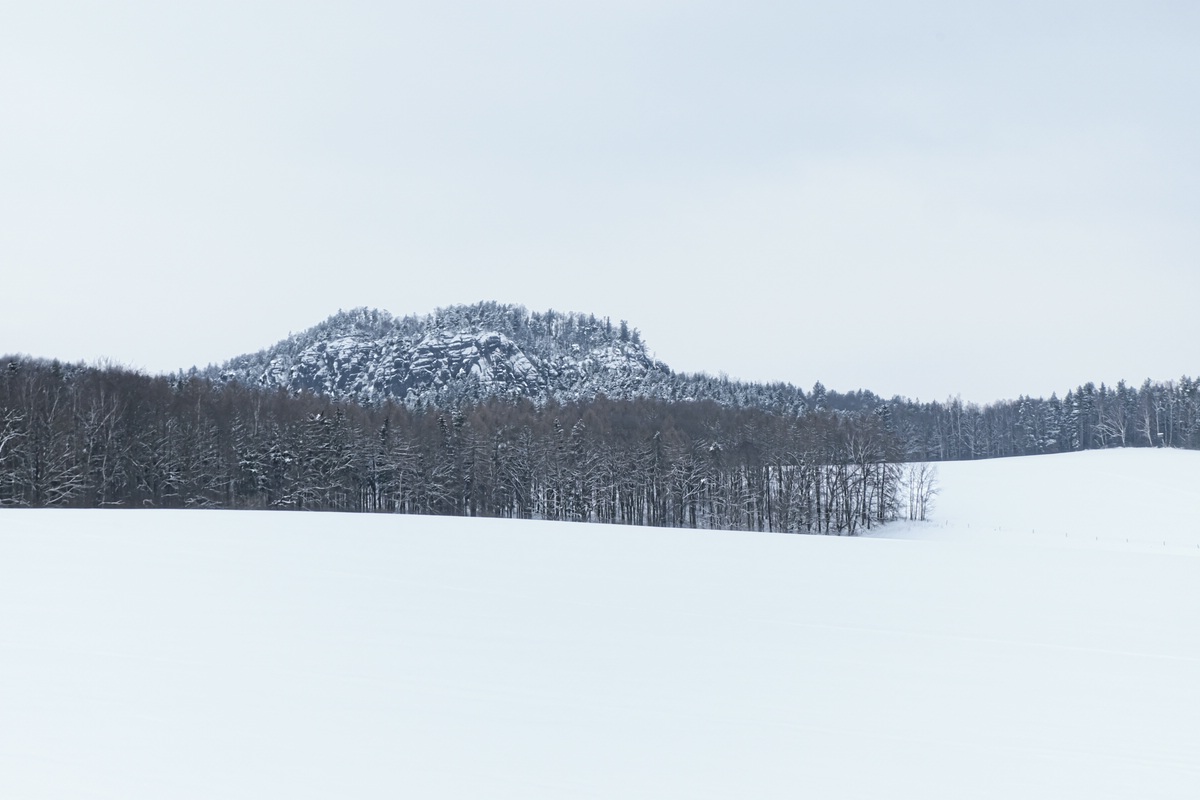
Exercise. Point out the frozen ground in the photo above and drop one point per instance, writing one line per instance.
(1146, 500)
(1015, 647)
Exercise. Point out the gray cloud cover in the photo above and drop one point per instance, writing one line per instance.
(925, 199)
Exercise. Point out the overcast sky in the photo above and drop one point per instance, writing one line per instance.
(928, 198)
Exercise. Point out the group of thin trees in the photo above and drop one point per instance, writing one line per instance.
(88, 437)
(1156, 414)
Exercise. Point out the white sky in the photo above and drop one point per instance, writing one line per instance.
(929, 199)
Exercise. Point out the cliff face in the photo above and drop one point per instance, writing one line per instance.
(463, 353)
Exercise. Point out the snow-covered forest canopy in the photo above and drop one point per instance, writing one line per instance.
(89, 437)
(460, 356)
(489, 410)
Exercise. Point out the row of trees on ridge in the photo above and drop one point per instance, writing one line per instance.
(106, 437)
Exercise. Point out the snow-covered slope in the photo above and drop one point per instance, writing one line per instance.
(1132, 499)
(462, 353)
(148, 654)
(467, 354)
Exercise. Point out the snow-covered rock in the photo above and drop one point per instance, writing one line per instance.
(460, 353)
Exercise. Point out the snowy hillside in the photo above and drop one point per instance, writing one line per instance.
(1016, 646)
(466, 354)
(1131, 499)
(461, 353)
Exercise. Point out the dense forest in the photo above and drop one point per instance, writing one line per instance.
(1158, 414)
(88, 436)
(95, 437)
(462, 356)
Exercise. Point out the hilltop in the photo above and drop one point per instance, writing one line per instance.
(468, 353)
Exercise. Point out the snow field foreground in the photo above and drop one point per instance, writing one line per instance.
(158, 654)
(1134, 499)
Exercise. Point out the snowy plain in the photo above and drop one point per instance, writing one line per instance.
(1039, 638)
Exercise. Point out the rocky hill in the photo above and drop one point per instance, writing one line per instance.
(459, 354)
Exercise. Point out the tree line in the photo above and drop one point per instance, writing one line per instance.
(96, 436)
(1158, 414)
(99, 436)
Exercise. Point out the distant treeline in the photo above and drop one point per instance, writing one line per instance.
(1162, 414)
(105, 437)
(80, 436)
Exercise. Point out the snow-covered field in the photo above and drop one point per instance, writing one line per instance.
(1040, 638)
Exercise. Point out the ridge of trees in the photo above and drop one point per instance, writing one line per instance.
(369, 356)
(95, 436)
(1155, 414)
(1158, 414)
(79, 436)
